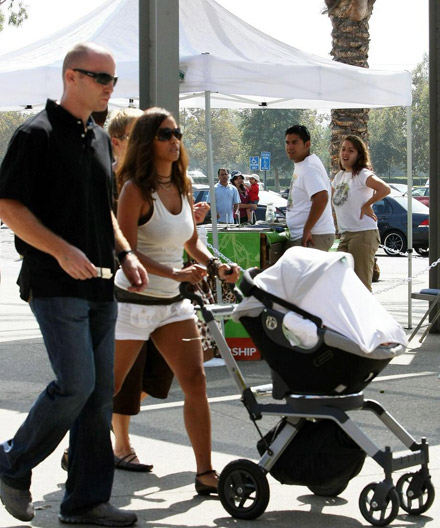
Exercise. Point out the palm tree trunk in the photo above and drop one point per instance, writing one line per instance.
(350, 45)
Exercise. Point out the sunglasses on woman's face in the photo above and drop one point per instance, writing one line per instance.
(165, 134)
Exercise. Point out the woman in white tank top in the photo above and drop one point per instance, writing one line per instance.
(155, 215)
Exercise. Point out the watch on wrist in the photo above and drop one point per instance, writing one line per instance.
(123, 254)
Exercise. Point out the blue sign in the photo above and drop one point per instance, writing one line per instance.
(254, 163)
(265, 161)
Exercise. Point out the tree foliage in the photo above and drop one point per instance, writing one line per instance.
(16, 13)
(263, 131)
(226, 138)
(9, 121)
(388, 131)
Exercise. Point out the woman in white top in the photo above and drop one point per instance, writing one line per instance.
(155, 213)
(355, 188)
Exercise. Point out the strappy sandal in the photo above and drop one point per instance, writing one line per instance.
(126, 463)
(205, 489)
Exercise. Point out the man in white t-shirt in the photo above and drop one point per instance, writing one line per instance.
(309, 215)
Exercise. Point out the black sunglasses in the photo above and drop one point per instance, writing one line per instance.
(165, 134)
(99, 77)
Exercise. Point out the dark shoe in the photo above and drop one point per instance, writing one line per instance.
(127, 463)
(65, 459)
(17, 502)
(204, 489)
(103, 515)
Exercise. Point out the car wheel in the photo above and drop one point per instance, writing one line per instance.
(395, 243)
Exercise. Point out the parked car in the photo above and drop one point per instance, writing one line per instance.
(392, 220)
(421, 194)
(401, 188)
(200, 193)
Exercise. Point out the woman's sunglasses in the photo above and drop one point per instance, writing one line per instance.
(99, 77)
(165, 134)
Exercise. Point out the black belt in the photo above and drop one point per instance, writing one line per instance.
(125, 296)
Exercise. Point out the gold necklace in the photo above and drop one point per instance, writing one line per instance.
(166, 186)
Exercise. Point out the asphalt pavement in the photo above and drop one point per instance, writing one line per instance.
(408, 388)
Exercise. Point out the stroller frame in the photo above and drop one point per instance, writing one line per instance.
(243, 486)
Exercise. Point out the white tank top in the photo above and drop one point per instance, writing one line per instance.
(162, 239)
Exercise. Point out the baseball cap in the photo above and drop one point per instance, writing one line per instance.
(255, 176)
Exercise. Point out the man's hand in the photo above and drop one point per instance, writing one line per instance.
(75, 263)
(135, 273)
(307, 240)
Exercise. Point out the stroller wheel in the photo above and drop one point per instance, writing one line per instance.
(416, 494)
(328, 491)
(375, 514)
(243, 489)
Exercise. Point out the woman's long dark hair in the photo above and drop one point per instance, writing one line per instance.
(138, 164)
(240, 187)
(363, 159)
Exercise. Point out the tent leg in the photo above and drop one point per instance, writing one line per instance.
(208, 138)
(409, 198)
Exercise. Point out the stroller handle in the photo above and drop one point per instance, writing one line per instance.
(187, 292)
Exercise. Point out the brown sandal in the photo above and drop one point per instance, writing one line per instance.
(205, 489)
(126, 463)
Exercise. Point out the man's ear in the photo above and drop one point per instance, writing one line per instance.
(307, 144)
(70, 76)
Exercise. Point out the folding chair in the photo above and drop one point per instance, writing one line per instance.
(431, 295)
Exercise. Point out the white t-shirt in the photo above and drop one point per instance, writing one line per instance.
(349, 196)
(309, 178)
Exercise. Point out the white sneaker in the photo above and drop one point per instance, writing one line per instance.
(215, 362)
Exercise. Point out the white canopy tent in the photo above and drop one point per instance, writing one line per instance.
(219, 53)
(226, 63)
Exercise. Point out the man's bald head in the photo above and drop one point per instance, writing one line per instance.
(82, 52)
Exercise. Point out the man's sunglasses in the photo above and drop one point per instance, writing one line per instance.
(99, 77)
(165, 134)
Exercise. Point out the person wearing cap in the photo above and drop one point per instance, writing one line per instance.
(309, 215)
(227, 199)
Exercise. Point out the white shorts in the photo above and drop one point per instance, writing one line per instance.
(138, 321)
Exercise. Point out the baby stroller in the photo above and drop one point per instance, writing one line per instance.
(316, 380)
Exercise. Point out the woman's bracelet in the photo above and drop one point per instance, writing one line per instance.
(213, 266)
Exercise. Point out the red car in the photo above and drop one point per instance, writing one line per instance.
(421, 194)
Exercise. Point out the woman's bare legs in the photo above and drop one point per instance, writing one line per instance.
(179, 344)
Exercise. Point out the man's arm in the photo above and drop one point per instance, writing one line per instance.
(132, 268)
(319, 203)
(29, 228)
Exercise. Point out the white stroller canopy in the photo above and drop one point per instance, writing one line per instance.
(325, 285)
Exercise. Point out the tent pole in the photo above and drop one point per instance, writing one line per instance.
(210, 159)
(409, 198)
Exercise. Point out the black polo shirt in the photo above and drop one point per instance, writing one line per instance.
(63, 174)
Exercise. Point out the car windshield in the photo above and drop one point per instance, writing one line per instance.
(417, 207)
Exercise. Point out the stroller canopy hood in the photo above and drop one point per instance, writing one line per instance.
(325, 285)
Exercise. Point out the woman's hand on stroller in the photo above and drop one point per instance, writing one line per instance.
(229, 273)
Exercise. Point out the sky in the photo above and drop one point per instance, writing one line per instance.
(398, 30)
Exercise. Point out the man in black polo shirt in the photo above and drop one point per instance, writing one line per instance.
(55, 194)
